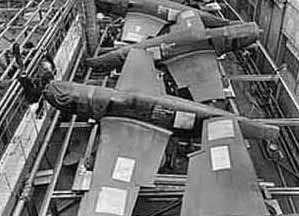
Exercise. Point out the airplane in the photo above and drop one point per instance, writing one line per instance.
(221, 178)
(146, 18)
(137, 118)
(185, 40)
(188, 52)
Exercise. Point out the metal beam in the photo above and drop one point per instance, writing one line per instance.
(76, 125)
(253, 78)
(43, 177)
(30, 9)
(172, 191)
(280, 121)
(284, 191)
(66, 194)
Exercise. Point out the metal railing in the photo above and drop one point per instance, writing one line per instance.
(13, 102)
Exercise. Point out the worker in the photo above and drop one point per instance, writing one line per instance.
(47, 71)
(33, 86)
(17, 54)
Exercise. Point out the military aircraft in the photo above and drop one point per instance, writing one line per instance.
(146, 18)
(137, 118)
(188, 52)
(221, 178)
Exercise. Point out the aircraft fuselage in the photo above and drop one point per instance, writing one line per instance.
(170, 45)
(165, 111)
(163, 9)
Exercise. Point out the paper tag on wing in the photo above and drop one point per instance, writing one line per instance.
(213, 6)
(184, 120)
(187, 14)
(156, 52)
(134, 37)
(189, 23)
(172, 14)
(220, 158)
(123, 169)
(111, 201)
(220, 129)
(137, 28)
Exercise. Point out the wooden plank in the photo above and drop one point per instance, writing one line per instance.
(274, 31)
(265, 19)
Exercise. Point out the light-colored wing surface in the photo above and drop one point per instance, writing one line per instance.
(188, 19)
(128, 157)
(140, 26)
(221, 178)
(199, 71)
(140, 75)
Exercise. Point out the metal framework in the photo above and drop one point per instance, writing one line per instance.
(54, 21)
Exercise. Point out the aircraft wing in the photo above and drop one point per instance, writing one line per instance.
(199, 72)
(128, 157)
(140, 26)
(221, 178)
(130, 151)
(188, 19)
(140, 75)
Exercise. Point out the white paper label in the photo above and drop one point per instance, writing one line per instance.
(123, 169)
(214, 6)
(156, 52)
(184, 120)
(172, 14)
(137, 28)
(189, 23)
(187, 14)
(220, 129)
(220, 158)
(134, 37)
(111, 201)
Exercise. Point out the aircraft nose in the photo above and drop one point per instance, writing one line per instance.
(61, 95)
(55, 88)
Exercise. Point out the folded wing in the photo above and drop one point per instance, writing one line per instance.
(140, 26)
(188, 19)
(128, 157)
(221, 178)
(199, 72)
(140, 75)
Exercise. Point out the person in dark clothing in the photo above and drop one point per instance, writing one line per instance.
(17, 54)
(33, 86)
